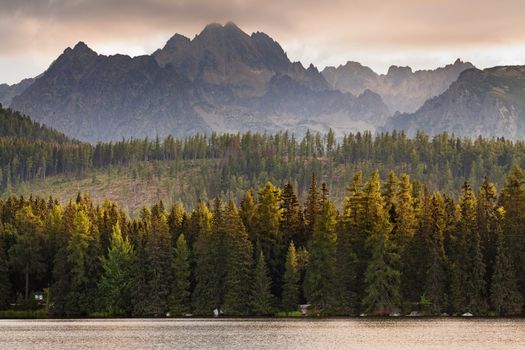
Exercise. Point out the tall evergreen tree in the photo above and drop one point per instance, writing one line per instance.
(269, 236)
(238, 263)
(319, 282)
(77, 248)
(159, 262)
(470, 259)
(312, 207)
(291, 292)
(382, 280)
(261, 301)
(505, 296)
(512, 198)
(115, 284)
(26, 255)
(179, 301)
(292, 221)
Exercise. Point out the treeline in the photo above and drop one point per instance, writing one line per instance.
(392, 247)
(29, 151)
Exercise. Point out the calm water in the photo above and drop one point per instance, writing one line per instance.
(263, 334)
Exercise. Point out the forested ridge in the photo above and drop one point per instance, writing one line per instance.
(393, 246)
(229, 164)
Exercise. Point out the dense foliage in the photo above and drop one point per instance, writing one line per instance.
(392, 246)
(231, 163)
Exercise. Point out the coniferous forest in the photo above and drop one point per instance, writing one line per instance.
(393, 246)
(204, 166)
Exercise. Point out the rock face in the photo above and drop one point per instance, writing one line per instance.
(223, 80)
(488, 102)
(8, 92)
(401, 89)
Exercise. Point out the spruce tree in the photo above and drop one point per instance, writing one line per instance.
(505, 296)
(436, 279)
(382, 280)
(261, 301)
(77, 250)
(269, 235)
(292, 221)
(512, 198)
(115, 284)
(319, 281)
(159, 251)
(312, 207)
(26, 255)
(238, 263)
(179, 301)
(291, 292)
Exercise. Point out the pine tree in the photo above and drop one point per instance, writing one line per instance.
(261, 301)
(292, 221)
(203, 297)
(115, 285)
(512, 198)
(348, 239)
(435, 283)
(269, 235)
(382, 280)
(179, 301)
(319, 282)
(248, 213)
(291, 292)
(77, 248)
(238, 263)
(505, 296)
(469, 259)
(159, 253)
(487, 222)
(312, 207)
(26, 255)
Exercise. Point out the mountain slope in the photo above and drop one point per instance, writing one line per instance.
(8, 92)
(223, 80)
(488, 102)
(401, 89)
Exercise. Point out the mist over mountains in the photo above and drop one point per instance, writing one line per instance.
(225, 80)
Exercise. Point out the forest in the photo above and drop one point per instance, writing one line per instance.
(230, 164)
(392, 247)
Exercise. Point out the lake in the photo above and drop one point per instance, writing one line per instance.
(272, 334)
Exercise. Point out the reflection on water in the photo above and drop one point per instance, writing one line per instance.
(263, 334)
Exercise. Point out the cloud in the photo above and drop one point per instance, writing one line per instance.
(312, 31)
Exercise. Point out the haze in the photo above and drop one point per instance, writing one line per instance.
(422, 34)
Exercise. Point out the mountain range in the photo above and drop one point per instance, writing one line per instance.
(225, 80)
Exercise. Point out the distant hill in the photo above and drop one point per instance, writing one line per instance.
(15, 125)
(488, 102)
(401, 89)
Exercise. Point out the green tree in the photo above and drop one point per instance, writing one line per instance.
(319, 282)
(159, 253)
(505, 296)
(290, 297)
(261, 297)
(77, 248)
(269, 236)
(26, 255)
(179, 302)
(382, 280)
(115, 284)
(238, 263)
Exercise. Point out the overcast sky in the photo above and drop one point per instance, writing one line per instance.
(377, 33)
